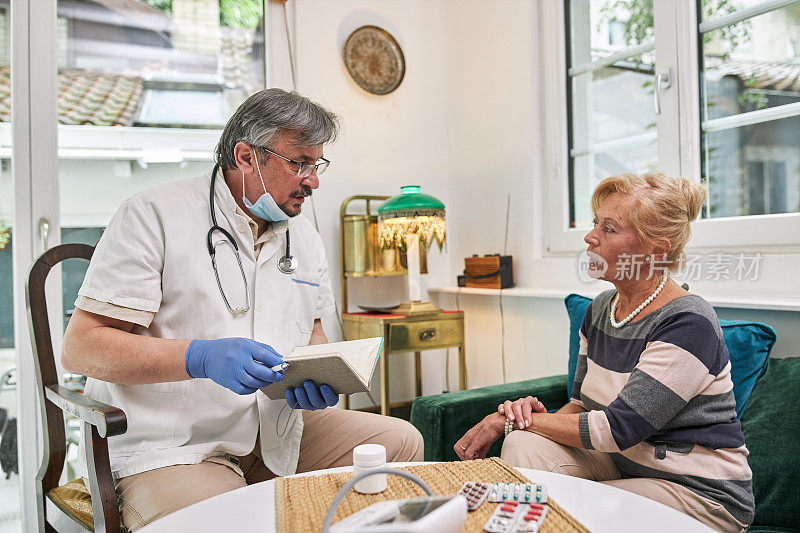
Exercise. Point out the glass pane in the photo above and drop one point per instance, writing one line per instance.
(598, 112)
(177, 63)
(144, 90)
(714, 9)
(9, 468)
(10, 519)
(609, 134)
(589, 169)
(753, 170)
(600, 27)
(752, 65)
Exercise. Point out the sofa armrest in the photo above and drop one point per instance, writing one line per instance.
(444, 418)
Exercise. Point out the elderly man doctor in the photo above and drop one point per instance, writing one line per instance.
(182, 344)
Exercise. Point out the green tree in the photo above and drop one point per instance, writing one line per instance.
(232, 13)
(240, 13)
(164, 6)
(5, 233)
(639, 25)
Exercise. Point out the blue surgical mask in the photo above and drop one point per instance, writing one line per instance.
(265, 207)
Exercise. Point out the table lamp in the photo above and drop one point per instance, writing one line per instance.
(406, 222)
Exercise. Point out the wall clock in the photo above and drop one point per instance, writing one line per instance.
(374, 60)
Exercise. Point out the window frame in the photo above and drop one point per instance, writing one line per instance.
(679, 129)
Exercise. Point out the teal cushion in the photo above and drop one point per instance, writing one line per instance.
(576, 309)
(749, 345)
(771, 436)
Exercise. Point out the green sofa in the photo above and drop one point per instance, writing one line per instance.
(770, 423)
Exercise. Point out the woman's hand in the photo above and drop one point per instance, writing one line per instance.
(476, 442)
(520, 410)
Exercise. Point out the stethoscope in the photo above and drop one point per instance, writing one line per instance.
(286, 264)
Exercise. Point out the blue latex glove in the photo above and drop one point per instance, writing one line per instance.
(239, 364)
(311, 397)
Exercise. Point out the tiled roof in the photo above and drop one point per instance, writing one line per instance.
(86, 97)
(777, 76)
(764, 74)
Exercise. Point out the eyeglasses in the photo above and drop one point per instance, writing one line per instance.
(304, 169)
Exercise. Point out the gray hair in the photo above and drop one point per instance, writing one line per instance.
(266, 113)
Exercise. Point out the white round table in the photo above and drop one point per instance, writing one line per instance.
(601, 508)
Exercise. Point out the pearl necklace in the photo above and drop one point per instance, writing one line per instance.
(638, 309)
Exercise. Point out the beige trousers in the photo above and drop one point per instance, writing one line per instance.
(529, 450)
(329, 437)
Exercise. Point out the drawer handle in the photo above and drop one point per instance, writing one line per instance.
(427, 334)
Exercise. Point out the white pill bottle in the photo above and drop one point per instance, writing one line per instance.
(367, 457)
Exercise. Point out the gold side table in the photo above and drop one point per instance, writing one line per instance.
(405, 334)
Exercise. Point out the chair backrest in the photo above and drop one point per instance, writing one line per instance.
(55, 442)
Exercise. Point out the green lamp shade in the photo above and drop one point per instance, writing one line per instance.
(411, 212)
(411, 203)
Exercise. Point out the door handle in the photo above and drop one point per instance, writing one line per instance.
(663, 81)
(44, 233)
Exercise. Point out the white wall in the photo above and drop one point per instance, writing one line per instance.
(386, 142)
(495, 148)
(467, 126)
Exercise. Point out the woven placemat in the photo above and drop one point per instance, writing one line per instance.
(302, 502)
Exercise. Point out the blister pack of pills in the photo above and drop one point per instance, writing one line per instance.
(519, 492)
(515, 517)
(475, 493)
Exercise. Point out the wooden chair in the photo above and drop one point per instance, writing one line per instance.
(70, 507)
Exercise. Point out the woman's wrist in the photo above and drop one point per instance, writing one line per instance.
(496, 422)
(535, 417)
(510, 426)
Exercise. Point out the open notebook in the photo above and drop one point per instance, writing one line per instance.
(346, 366)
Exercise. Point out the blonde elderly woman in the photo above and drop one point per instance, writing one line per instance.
(652, 408)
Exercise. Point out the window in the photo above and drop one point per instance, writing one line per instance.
(131, 76)
(608, 134)
(144, 89)
(155, 62)
(726, 110)
(750, 93)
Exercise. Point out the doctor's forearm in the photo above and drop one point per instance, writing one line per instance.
(104, 348)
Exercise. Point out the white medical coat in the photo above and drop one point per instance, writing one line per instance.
(153, 257)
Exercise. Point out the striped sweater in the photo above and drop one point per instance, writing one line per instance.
(659, 398)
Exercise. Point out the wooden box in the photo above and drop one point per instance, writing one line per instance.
(489, 272)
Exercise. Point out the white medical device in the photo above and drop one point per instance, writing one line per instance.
(443, 514)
